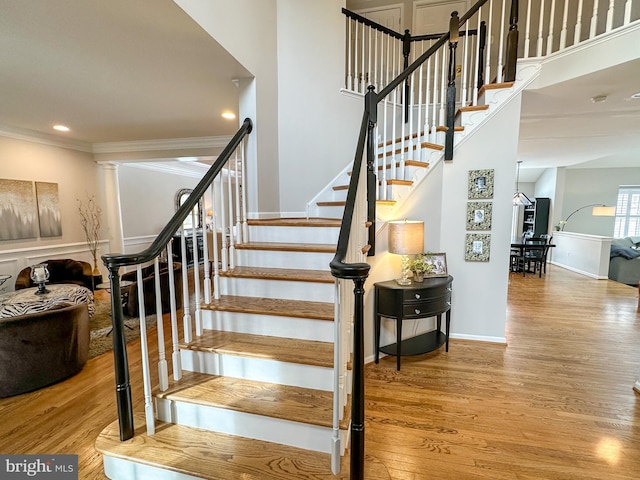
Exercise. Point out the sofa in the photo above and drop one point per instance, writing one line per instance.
(130, 293)
(39, 349)
(63, 270)
(624, 260)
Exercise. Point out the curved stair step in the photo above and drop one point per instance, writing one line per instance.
(273, 307)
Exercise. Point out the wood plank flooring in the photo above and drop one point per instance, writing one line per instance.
(557, 402)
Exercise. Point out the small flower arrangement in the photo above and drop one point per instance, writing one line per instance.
(420, 267)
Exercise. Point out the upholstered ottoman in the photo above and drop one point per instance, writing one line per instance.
(39, 349)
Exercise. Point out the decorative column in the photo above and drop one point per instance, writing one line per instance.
(112, 207)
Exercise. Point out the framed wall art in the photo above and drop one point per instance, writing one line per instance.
(48, 209)
(477, 247)
(18, 217)
(479, 215)
(480, 183)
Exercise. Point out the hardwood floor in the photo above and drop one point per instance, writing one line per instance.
(555, 403)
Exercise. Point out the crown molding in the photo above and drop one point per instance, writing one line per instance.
(156, 145)
(44, 138)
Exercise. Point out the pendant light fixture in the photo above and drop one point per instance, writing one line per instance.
(520, 198)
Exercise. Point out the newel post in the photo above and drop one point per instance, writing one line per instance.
(512, 44)
(454, 27)
(357, 408)
(406, 51)
(371, 107)
(120, 361)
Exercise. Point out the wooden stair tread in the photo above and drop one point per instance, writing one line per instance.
(285, 402)
(404, 183)
(343, 203)
(218, 456)
(291, 350)
(288, 247)
(272, 306)
(494, 86)
(407, 163)
(284, 274)
(297, 222)
(444, 128)
(472, 108)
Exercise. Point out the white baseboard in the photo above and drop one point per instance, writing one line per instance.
(577, 270)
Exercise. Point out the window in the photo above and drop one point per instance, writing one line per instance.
(627, 212)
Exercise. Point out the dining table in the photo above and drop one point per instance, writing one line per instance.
(519, 249)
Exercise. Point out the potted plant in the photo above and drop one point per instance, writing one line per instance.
(420, 267)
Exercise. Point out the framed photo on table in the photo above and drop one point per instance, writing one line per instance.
(438, 262)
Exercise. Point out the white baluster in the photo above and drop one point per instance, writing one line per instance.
(232, 233)
(551, 26)
(540, 27)
(443, 86)
(427, 96)
(594, 19)
(144, 347)
(186, 314)
(223, 220)
(337, 383)
(349, 85)
(434, 113)
(243, 176)
(196, 274)
(363, 60)
(239, 239)
(163, 369)
(527, 34)
(175, 357)
(610, 15)
(627, 12)
(501, 44)
(563, 32)
(215, 260)
(465, 47)
(578, 31)
(419, 104)
(205, 255)
(487, 49)
(369, 59)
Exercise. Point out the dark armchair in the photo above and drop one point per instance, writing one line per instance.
(63, 270)
(130, 293)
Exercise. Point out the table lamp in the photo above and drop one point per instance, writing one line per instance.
(406, 238)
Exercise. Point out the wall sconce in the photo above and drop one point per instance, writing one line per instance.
(406, 238)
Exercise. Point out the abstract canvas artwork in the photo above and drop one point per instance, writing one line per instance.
(48, 209)
(18, 215)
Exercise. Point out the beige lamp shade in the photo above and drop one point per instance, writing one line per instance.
(603, 211)
(406, 237)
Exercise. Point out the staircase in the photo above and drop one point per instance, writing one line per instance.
(257, 392)
(267, 386)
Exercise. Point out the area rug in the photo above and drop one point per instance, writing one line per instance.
(100, 326)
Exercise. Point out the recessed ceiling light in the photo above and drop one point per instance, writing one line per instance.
(61, 128)
(599, 99)
(229, 115)
(636, 96)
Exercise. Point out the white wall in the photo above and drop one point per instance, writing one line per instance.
(247, 30)
(318, 126)
(148, 195)
(587, 186)
(76, 175)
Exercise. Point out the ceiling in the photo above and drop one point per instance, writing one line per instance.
(113, 71)
(118, 71)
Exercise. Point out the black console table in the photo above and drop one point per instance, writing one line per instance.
(418, 300)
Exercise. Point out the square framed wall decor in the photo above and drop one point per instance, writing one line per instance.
(477, 247)
(480, 183)
(479, 215)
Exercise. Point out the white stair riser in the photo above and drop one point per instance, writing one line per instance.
(283, 289)
(268, 429)
(275, 326)
(327, 212)
(284, 234)
(121, 469)
(306, 376)
(280, 259)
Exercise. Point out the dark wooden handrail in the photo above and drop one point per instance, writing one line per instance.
(113, 262)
